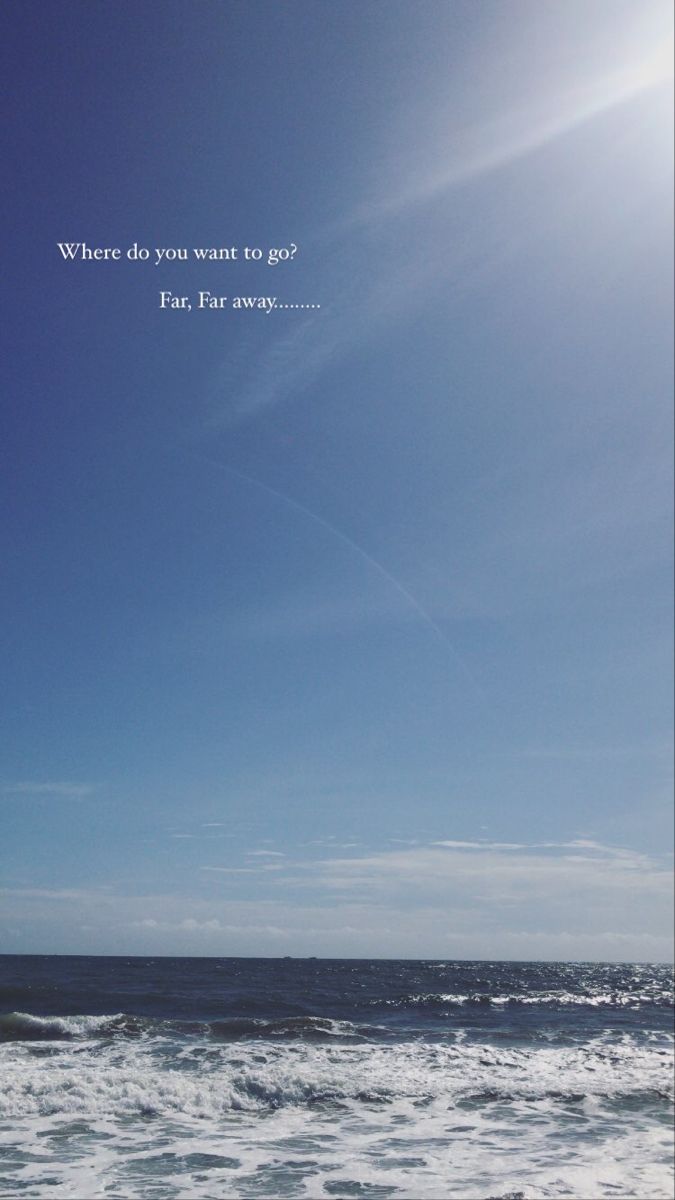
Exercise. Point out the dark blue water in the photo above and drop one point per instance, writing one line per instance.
(294, 1077)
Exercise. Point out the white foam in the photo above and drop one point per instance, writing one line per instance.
(629, 1000)
(412, 1119)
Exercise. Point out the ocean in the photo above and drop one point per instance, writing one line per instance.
(160, 1078)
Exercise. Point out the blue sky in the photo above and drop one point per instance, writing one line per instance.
(341, 631)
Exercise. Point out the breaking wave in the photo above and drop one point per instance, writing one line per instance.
(324, 1079)
(206, 1079)
(25, 1027)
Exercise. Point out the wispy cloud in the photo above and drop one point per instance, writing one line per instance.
(579, 875)
(319, 608)
(37, 893)
(480, 845)
(232, 870)
(576, 899)
(259, 869)
(509, 884)
(360, 306)
(30, 787)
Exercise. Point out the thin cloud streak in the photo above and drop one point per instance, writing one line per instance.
(410, 599)
(70, 791)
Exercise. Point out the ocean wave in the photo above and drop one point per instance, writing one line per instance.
(610, 1000)
(25, 1027)
(334, 1079)
(205, 1079)
(303, 1028)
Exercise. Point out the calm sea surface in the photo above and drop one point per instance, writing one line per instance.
(162, 1078)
